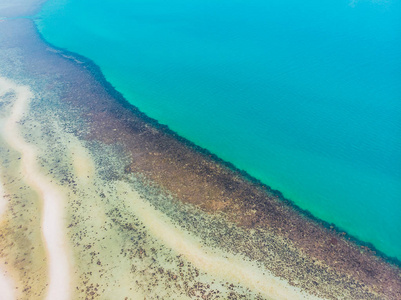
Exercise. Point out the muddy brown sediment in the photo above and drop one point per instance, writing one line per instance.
(218, 204)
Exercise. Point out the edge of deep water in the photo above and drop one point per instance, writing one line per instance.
(97, 73)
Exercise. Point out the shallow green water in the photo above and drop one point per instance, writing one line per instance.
(303, 95)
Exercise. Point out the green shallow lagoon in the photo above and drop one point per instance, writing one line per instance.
(304, 96)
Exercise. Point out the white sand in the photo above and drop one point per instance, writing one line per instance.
(216, 263)
(53, 198)
(7, 288)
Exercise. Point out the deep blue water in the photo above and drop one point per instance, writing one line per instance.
(303, 95)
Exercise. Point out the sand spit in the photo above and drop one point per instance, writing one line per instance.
(53, 199)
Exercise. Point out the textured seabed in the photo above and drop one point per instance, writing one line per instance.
(99, 202)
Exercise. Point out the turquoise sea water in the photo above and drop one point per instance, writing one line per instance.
(303, 95)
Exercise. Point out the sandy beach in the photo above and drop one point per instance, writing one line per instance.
(105, 203)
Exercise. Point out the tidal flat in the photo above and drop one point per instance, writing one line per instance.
(101, 202)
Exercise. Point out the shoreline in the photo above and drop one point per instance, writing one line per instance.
(315, 172)
(95, 70)
(164, 132)
(199, 181)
